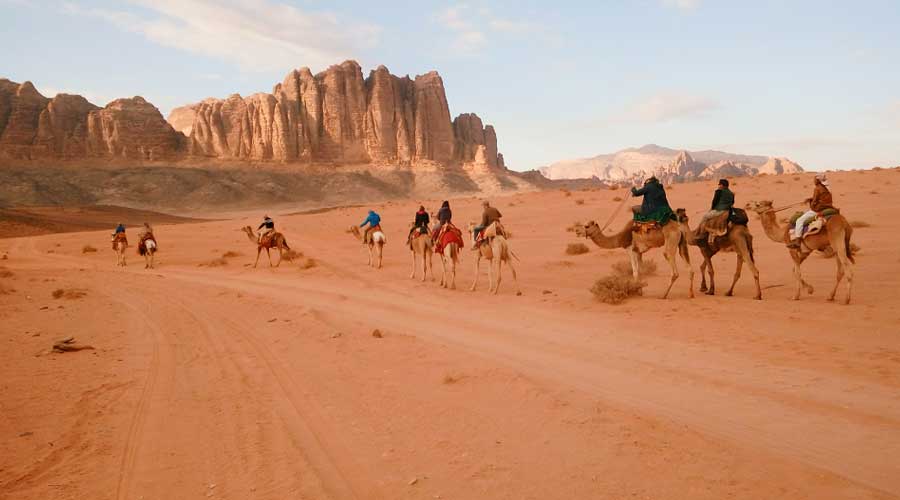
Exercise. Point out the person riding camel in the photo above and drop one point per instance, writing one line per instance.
(820, 201)
(444, 217)
(269, 226)
(421, 223)
(722, 203)
(120, 230)
(489, 216)
(374, 221)
(655, 206)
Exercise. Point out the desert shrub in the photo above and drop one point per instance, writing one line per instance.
(566, 192)
(5, 273)
(779, 181)
(615, 289)
(291, 255)
(617, 198)
(4, 290)
(579, 202)
(574, 227)
(623, 268)
(873, 192)
(214, 263)
(88, 249)
(230, 254)
(306, 263)
(577, 249)
(859, 224)
(451, 379)
(68, 293)
(877, 169)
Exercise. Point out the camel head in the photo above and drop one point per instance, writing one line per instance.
(759, 207)
(354, 230)
(588, 230)
(682, 215)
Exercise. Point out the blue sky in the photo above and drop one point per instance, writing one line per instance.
(816, 81)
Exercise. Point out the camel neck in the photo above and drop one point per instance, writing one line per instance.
(773, 230)
(614, 241)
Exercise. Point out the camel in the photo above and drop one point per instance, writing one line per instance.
(835, 234)
(449, 259)
(421, 244)
(120, 245)
(147, 247)
(275, 240)
(375, 245)
(494, 248)
(738, 240)
(672, 237)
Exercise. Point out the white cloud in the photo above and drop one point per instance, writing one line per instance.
(668, 106)
(682, 4)
(257, 35)
(473, 27)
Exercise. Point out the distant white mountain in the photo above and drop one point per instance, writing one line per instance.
(669, 164)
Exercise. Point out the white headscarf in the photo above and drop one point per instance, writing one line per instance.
(821, 178)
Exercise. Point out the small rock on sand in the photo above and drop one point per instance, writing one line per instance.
(413, 481)
(377, 333)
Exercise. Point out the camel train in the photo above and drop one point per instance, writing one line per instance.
(821, 229)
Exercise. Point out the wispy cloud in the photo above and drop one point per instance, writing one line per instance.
(682, 4)
(472, 27)
(258, 35)
(669, 106)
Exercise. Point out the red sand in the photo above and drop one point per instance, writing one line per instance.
(241, 383)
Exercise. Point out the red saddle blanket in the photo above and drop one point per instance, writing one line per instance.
(451, 235)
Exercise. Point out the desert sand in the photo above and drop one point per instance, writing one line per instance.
(211, 379)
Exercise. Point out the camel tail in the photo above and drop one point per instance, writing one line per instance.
(284, 241)
(848, 247)
(750, 247)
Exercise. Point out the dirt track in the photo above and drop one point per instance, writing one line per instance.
(230, 382)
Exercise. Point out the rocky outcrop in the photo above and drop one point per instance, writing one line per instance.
(337, 116)
(69, 127)
(682, 167)
(727, 168)
(777, 166)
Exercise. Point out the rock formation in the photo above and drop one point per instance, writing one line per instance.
(335, 117)
(777, 166)
(69, 127)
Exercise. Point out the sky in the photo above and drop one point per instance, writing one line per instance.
(815, 81)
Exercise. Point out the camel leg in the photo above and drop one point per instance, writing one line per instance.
(515, 276)
(703, 275)
(635, 258)
(849, 268)
(452, 272)
(499, 272)
(798, 278)
(258, 251)
(412, 274)
(279, 257)
(837, 279)
(686, 255)
(380, 254)
(737, 274)
(430, 264)
(707, 263)
(670, 258)
(152, 260)
(477, 268)
(491, 275)
(443, 270)
(269, 256)
(744, 251)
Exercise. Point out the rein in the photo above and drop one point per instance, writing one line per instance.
(784, 207)
(614, 214)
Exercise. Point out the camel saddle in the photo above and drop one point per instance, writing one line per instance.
(814, 226)
(369, 232)
(266, 238)
(716, 226)
(451, 234)
(488, 233)
(645, 227)
(119, 237)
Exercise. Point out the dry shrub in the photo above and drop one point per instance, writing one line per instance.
(617, 198)
(577, 249)
(579, 202)
(451, 379)
(68, 293)
(6, 290)
(88, 249)
(230, 254)
(5, 273)
(306, 263)
(566, 192)
(623, 268)
(859, 224)
(877, 169)
(214, 263)
(614, 288)
(574, 227)
(873, 192)
(796, 178)
(779, 181)
(291, 255)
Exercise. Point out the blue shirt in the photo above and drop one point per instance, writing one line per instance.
(372, 220)
(120, 229)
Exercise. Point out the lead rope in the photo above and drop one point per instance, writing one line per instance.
(615, 213)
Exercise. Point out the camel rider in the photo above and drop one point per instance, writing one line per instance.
(723, 201)
(820, 201)
(489, 216)
(655, 206)
(146, 231)
(120, 229)
(269, 226)
(373, 220)
(444, 217)
(421, 223)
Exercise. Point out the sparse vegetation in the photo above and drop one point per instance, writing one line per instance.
(873, 192)
(623, 268)
(231, 254)
(68, 293)
(860, 224)
(214, 263)
(779, 181)
(306, 263)
(574, 227)
(579, 201)
(4, 290)
(617, 198)
(615, 289)
(451, 379)
(291, 255)
(88, 249)
(5, 273)
(577, 249)
(566, 192)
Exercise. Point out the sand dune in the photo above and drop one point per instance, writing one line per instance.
(230, 382)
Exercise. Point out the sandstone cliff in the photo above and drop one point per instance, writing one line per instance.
(69, 127)
(337, 116)
(776, 166)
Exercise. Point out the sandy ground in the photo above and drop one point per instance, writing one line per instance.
(226, 381)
